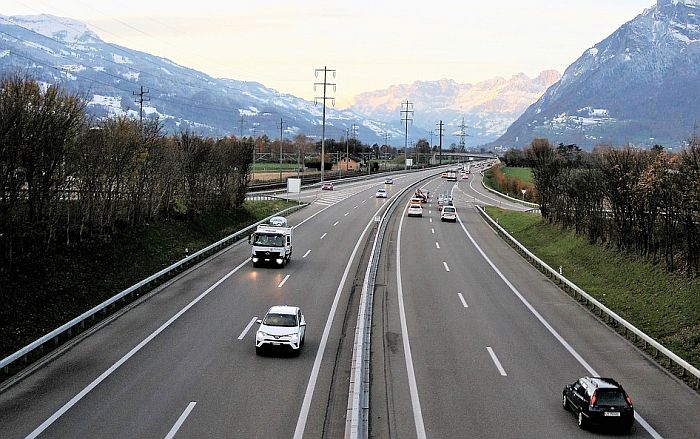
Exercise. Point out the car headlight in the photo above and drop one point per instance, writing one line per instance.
(295, 336)
(261, 334)
(255, 259)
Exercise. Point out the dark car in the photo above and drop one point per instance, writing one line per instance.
(599, 401)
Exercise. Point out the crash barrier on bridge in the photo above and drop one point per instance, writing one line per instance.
(357, 417)
(89, 317)
(608, 316)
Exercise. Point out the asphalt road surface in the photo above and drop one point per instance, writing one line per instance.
(492, 342)
(471, 341)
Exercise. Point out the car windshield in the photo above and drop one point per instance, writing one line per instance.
(610, 397)
(449, 210)
(287, 320)
(269, 240)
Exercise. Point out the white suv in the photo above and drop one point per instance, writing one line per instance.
(281, 326)
(448, 213)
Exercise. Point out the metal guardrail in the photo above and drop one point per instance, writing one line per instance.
(527, 203)
(357, 418)
(80, 320)
(609, 316)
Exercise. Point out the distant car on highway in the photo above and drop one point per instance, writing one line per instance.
(278, 221)
(388, 181)
(448, 213)
(415, 210)
(381, 193)
(599, 401)
(327, 187)
(282, 326)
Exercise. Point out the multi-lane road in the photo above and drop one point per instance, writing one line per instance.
(468, 341)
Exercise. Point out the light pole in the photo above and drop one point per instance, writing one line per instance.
(281, 140)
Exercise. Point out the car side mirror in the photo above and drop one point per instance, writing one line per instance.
(259, 321)
(303, 323)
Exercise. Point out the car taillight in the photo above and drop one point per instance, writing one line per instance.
(629, 400)
(594, 398)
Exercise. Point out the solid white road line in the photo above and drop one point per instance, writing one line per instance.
(308, 395)
(552, 331)
(128, 355)
(180, 420)
(413, 387)
(283, 281)
(247, 328)
(336, 223)
(496, 362)
(306, 254)
(437, 245)
(323, 236)
(464, 302)
(446, 267)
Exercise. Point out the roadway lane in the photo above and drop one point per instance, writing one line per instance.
(191, 373)
(484, 365)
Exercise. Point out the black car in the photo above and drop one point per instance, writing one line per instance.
(599, 401)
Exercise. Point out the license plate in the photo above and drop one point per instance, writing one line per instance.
(612, 414)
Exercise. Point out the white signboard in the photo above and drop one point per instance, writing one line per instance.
(294, 185)
(409, 162)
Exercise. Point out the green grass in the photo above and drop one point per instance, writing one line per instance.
(49, 290)
(524, 174)
(666, 306)
(259, 167)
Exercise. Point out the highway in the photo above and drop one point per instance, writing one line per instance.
(471, 341)
(185, 357)
(492, 342)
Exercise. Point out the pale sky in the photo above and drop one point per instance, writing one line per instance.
(370, 43)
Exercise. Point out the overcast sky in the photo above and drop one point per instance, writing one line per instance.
(371, 43)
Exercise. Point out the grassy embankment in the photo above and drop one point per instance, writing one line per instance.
(511, 181)
(665, 306)
(51, 290)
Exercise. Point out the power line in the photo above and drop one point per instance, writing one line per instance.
(462, 134)
(325, 84)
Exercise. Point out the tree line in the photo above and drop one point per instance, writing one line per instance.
(642, 201)
(69, 180)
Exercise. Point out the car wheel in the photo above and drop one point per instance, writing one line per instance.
(564, 403)
(258, 350)
(582, 423)
(256, 265)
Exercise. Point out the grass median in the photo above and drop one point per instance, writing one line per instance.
(666, 306)
(45, 292)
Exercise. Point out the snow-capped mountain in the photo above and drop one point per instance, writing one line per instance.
(640, 85)
(61, 50)
(488, 107)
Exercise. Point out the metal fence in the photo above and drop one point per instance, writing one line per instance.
(90, 316)
(607, 315)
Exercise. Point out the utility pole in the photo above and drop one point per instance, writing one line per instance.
(281, 125)
(241, 121)
(354, 128)
(347, 153)
(141, 99)
(406, 115)
(386, 146)
(440, 127)
(325, 85)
